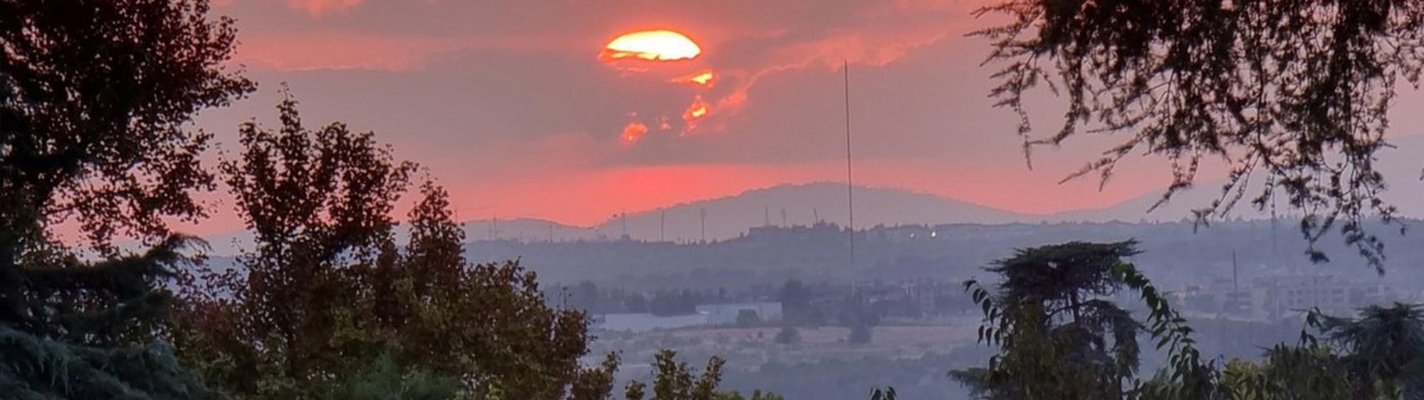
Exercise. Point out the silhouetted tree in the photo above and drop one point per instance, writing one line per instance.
(795, 301)
(326, 291)
(1298, 91)
(318, 203)
(96, 331)
(93, 96)
(1059, 336)
(1384, 345)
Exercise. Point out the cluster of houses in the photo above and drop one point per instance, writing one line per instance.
(1270, 298)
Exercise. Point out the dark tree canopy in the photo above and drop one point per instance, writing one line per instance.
(94, 96)
(326, 290)
(319, 203)
(1294, 92)
(93, 331)
(1060, 336)
(1386, 349)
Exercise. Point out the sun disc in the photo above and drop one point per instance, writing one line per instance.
(654, 45)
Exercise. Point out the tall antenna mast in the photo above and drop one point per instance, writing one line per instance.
(850, 184)
(1234, 286)
(1273, 230)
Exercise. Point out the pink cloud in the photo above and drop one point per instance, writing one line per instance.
(318, 8)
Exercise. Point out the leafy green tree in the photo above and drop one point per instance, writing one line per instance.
(674, 380)
(1063, 340)
(493, 318)
(327, 291)
(386, 380)
(319, 206)
(1310, 372)
(1294, 93)
(1380, 361)
(93, 96)
(1059, 336)
(1384, 345)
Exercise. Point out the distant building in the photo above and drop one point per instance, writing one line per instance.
(903, 233)
(1276, 296)
(645, 322)
(1329, 293)
(718, 314)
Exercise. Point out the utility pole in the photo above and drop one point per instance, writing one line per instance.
(662, 226)
(702, 212)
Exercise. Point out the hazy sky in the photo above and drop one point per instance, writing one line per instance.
(510, 106)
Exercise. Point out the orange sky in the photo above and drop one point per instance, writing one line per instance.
(509, 104)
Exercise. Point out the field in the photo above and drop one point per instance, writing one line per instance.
(749, 348)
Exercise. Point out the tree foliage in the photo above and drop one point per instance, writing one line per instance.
(93, 99)
(1297, 91)
(1378, 358)
(1309, 372)
(319, 205)
(95, 95)
(94, 332)
(387, 380)
(1385, 349)
(674, 380)
(1060, 337)
(326, 289)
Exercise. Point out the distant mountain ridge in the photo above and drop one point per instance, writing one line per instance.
(805, 204)
(797, 204)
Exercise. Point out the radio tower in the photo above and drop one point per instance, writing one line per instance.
(850, 184)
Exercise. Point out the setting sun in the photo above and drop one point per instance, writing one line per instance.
(656, 45)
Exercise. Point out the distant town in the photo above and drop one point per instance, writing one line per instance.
(789, 298)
